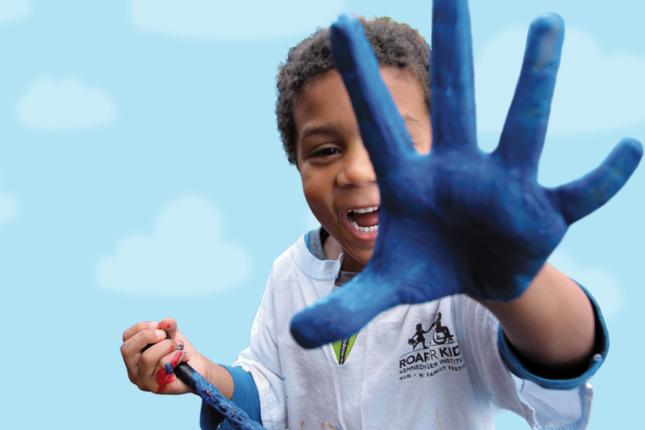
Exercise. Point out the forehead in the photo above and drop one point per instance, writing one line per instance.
(324, 101)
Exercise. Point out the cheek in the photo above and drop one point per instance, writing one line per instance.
(428, 144)
(317, 199)
(423, 138)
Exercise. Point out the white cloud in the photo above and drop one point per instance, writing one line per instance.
(596, 91)
(602, 285)
(13, 10)
(8, 207)
(51, 104)
(243, 19)
(185, 255)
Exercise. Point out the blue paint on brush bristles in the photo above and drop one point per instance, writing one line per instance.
(457, 220)
(211, 395)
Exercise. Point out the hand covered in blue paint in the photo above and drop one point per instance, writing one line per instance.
(457, 220)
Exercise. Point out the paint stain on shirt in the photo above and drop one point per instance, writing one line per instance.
(326, 425)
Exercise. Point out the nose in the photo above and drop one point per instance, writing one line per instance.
(357, 168)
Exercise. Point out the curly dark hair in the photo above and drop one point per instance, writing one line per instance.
(395, 45)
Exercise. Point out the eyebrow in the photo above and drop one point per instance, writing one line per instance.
(328, 130)
(317, 130)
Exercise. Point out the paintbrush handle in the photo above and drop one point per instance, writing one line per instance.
(185, 374)
(211, 395)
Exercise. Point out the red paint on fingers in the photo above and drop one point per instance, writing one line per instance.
(165, 375)
(164, 378)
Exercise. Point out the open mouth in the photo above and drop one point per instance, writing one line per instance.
(364, 220)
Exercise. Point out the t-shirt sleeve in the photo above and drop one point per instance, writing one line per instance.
(601, 347)
(544, 403)
(261, 359)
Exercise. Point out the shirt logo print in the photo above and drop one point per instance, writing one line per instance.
(430, 352)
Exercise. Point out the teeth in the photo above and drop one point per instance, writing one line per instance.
(363, 210)
(357, 227)
(364, 229)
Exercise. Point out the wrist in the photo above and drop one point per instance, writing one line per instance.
(552, 324)
(209, 370)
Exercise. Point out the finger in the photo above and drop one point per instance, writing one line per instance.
(579, 198)
(451, 76)
(141, 340)
(526, 123)
(152, 356)
(164, 375)
(131, 350)
(169, 325)
(343, 312)
(382, 128)
(128, 333)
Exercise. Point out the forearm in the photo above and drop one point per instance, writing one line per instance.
(552, 325)
(220, 377)
(238, 386)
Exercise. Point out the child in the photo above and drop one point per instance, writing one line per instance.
(552, 337)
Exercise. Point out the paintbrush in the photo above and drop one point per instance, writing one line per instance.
(211, 395)
(235, 415)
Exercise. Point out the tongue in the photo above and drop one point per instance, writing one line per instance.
(366, 220)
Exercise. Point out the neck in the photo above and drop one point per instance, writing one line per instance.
(332, 248)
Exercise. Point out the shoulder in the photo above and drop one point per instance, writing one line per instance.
(298, 260)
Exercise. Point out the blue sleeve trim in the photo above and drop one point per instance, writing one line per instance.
(245, 395)
(601, 348)
(308, 238)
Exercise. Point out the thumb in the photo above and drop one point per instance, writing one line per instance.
(583, 196)
(342, 313)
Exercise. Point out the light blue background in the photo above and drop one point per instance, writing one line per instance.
(115, 117)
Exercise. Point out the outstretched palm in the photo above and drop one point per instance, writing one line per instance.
(457, 220)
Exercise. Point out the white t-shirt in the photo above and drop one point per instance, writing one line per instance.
(428, 366)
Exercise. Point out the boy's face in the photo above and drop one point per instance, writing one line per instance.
(337, 176)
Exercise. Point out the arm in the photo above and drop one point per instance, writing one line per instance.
(220, 377)
(459, 220)
(551, 326)
(152, 350)
(149, 346)
(233, 383)
(245, 408)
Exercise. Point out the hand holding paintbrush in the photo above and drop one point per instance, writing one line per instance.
(156, 356)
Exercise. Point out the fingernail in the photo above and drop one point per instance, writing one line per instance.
(160, 334)
(175, 360)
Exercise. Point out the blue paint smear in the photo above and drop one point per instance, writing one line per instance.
(458, 220)
(229, 410)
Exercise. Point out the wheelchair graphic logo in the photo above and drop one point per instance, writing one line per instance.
(440, 334)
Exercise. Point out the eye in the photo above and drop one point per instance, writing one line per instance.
(327, 151)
